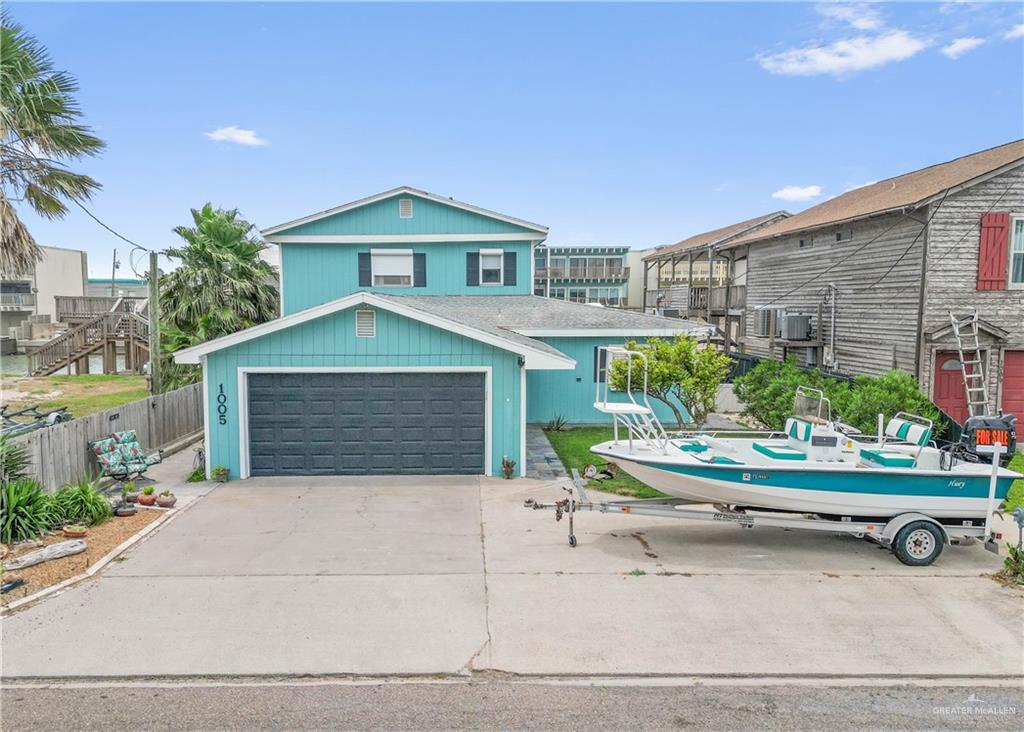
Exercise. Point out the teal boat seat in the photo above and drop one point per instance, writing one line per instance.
(886, 458)
(798, 429)
(691, 445)
(912, 432)
(779, 452)
(718, 460)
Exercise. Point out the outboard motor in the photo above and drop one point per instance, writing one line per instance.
(982, 432)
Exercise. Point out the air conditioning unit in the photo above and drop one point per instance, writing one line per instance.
(795, 327)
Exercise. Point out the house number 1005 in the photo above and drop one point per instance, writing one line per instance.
(222, 406)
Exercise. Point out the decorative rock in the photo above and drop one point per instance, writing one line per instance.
(53, 551)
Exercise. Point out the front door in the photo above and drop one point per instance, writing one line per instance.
(949, 393)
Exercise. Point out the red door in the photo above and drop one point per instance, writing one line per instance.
(1013, 384)
(949, 386)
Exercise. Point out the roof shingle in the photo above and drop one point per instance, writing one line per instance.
(718, 236)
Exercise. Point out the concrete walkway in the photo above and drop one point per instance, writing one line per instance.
(442, 575)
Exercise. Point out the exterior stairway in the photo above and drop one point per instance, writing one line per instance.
(108, 333)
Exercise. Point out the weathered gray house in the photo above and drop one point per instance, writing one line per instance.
(697, 278)
(878, 270)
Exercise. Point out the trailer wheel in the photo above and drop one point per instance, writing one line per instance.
(572, 540)
(918, 544)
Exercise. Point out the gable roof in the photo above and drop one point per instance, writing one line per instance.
(509, 322)
(718, 236)
(407, 191)
(535, 353)
(909, 190)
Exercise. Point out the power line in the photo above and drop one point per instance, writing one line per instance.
(836, 264)
(924, 227)
(967, 233)
(120, 236)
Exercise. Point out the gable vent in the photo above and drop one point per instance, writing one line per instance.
(366, 323)
(405, 208)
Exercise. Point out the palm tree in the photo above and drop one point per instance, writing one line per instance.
(221, 286)
(39, 134)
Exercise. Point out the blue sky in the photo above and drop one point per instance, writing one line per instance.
(635, 124)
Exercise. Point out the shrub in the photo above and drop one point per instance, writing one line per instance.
(25, 509)
(556, 424)
(768, 391)
(1013, 566)
(82, 503)
(896, 391)
(196, 476)
(13, 461)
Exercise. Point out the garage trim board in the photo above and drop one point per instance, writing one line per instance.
(243, 397)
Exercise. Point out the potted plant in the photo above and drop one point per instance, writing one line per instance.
(220, 474)
(508, 467)
(166, 499)
(75, 531)
(148, 496)
(129, 493)
(127, 507)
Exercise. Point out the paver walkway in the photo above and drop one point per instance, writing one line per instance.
(541, 460)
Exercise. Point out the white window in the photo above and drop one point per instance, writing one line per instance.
(391, 267)
(491, 261)
(366, 323)
(558, 293)
(1017, 253)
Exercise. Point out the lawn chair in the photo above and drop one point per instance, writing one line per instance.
(122, 458)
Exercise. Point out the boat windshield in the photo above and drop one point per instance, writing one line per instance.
(811, 405)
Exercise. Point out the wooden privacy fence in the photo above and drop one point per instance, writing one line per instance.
(60, 454)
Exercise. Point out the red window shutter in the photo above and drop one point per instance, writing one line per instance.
(993, 253)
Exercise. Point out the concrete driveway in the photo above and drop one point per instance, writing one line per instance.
(443, 575)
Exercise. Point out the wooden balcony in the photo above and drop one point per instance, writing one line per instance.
(74, 308)
(608, 274)
(17, 300)
(693, 301)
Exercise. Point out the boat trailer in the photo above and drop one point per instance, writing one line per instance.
(915, 538)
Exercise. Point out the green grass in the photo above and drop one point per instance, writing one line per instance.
(1015, 496)
(82, 395)
(573, 448)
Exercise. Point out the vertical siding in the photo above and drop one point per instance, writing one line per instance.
(317, 273)
(331, 341)
(876, 326)
(954, 240)
(429, 217)
(570, 394)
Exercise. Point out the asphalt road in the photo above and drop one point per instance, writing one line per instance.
(510, 705)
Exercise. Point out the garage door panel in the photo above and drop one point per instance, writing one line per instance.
(366, 423)
(1013, 384)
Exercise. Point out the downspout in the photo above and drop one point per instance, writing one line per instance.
(832, 294)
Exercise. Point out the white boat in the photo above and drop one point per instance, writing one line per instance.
(814, 465)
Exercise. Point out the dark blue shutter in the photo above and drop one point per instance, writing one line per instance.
(419, 270)
(472, 269)
(510, 268)
(365, 270)
(599, 364)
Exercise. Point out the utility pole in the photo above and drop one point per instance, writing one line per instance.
(154, 326)
(113, 274)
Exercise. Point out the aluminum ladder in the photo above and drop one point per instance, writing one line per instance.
(965, 331)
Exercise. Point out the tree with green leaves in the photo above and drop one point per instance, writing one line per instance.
(680, 371)
(40, 134)
(220, 287)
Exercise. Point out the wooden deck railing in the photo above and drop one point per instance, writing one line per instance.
(76, 307)
(582, 273)
(86, 338)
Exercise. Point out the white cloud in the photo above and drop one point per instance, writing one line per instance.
(859, 15)
(797, 193)
(960, 46)
(1016, 31)
(236, 135)
(844, 57)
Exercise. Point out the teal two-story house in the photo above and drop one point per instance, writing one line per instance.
(409, 342)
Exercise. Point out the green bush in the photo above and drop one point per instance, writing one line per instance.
(81, 503)
(768, 391)
(25, 510)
